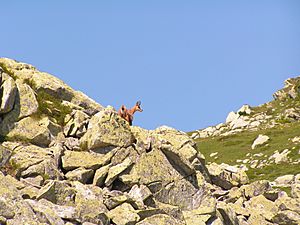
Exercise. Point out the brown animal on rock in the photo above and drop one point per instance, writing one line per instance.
(127, 114)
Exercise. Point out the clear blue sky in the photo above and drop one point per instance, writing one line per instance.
(189, 62)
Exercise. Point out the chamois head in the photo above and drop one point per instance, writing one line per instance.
(138, 106)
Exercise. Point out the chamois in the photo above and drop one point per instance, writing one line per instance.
(127, 114)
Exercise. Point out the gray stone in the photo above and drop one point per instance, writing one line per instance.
(124, 214)
(9, 91)
(105, 129)
(80, 174)
(89, 160)
(260, 140)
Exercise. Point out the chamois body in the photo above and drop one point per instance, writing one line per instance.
(127, 114)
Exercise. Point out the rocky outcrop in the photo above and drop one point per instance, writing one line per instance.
(65, 159)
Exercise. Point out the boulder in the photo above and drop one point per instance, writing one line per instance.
(286, 217)
(80, 174)
(140, 193)
(105, 129)
(88, 160)
(160, 219)
(100, 175)
(38, 131)
(260, 140)
(45, 83)
(58, 192)
(262, 206)
(280, 157)
(256, 188)
(12, 206)
(239, 123)
(116, 170)
(5, 154)
(89, 204)
(45, 213)
(124, 214)
(30, 160)
(244, 110)
(227, 176)
(288, 203)
(232, 116)
(295, 192)
(285, 180)
(8, 94)
(76, 124)
(26, 102)
(228, 215)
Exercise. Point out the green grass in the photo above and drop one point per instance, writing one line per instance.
(52, 107)
(237, 146)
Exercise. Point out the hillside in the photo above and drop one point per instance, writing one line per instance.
(231, 142)
(67, 160)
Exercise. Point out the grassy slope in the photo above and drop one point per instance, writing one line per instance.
(237, 146)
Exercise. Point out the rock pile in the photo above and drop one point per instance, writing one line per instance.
(67, 160)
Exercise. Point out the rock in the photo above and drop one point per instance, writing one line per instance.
(288, 203)
(124, 214)
(58, 192)
(8, 94)
(139, 193)
(227, 213)
(64, 212)
(280, 157)
(26, 100)
(12, 207)
(167, 183)
(89, 204)
(256, 188)
(244, 110)
(115, 198)
(88, 160)
(260, 140)
(239, 123)
(181, 143)
(5, 154)
(105, 129)
(101, 175)
(72, 144)
(292, 113)
(80, 174)
(114, 171)
(45, 214)
(46, 83)
(160, 219)
(33, 181)
(31, 160)
(285, 180)
(287, 217)
(295, 192)
(36, 131)
(213, 154)
(76, 124)
(227, 176)
(232, 116)
(263, 206)
(257, 219)
(290, 90)
(296, 139)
